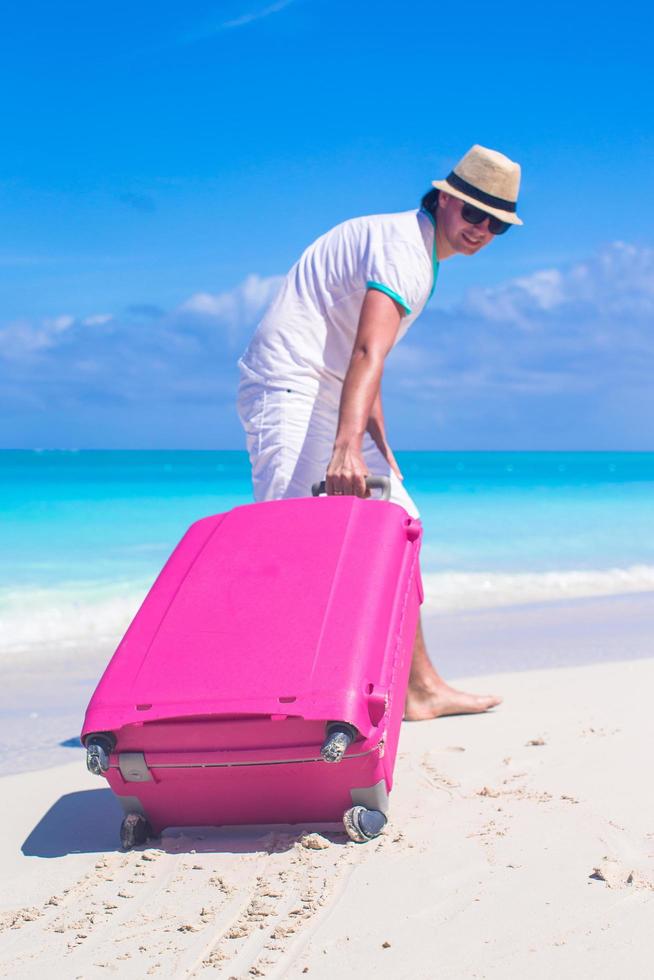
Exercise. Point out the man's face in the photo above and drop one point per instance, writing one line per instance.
(461, 236)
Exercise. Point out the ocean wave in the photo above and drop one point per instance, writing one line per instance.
(458, 591)
(66, 618)
(82, 615)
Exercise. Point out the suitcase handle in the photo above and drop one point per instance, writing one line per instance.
(372, 483)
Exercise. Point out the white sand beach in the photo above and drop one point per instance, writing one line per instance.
(521, 842)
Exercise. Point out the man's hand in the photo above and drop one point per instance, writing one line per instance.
(347, 472)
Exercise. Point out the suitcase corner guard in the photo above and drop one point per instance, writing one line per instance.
(134, 768)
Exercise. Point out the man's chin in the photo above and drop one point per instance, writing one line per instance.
(466, 249)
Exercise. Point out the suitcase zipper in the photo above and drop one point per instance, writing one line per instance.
(135, 769)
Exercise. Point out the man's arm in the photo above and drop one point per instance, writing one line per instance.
(377, 429)
(379, 324)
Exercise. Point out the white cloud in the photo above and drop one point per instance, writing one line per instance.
(515, 300)
(619, 281)
(241, 21)
(234, 312)
(235, 309)
(58, 324)
(97, 320)
(215, 26)
(245, 301)
(25, 337)
(573, 344)
(560, 357)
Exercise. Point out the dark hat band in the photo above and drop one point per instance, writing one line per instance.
(493, 202)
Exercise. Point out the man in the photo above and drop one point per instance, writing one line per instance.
(310, 392)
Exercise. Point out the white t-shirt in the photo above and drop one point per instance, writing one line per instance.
(305, 339)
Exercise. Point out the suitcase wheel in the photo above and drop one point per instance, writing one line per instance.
(134, 830)
(362, 825)
(339, 736)
(98, 750)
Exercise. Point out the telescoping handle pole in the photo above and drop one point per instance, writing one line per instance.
(372, 482)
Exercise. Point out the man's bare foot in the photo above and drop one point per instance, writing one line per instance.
(429, 696)
(437, 698)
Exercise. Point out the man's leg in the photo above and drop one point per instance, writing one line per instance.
(429, 696)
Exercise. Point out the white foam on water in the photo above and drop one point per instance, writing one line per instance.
(79, 615)
(459, 591)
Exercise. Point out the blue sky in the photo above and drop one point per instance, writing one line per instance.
(162, 165)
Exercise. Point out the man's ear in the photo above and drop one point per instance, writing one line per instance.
(443, 198)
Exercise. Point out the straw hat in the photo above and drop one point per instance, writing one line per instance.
(487, 179)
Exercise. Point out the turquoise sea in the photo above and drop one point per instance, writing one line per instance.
(83, 534)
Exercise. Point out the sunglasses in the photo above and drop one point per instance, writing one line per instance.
(475, 216)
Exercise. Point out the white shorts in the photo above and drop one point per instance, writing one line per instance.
(290, 439)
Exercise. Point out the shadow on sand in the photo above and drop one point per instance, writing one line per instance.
(78, 823)
(88, 822)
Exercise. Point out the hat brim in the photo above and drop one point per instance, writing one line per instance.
(509, 216)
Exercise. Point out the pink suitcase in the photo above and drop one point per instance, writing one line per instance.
(263, 678)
